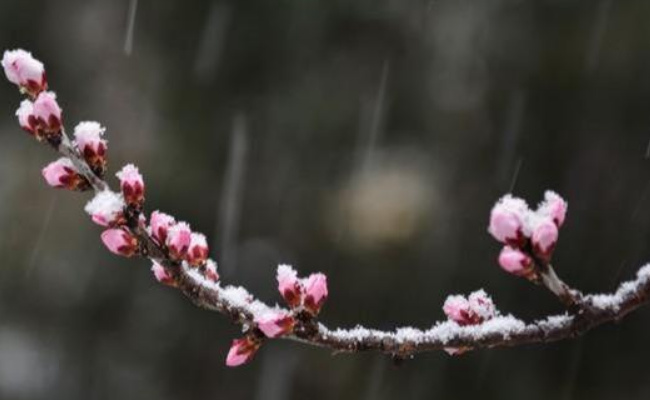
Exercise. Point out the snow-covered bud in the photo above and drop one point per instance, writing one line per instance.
(211, 271)
(120, 242)
(289, 285)
(26, 119)
(132, 185)
(160, 224)
(516, 262)
(458, 310)
(179, 238)
(481, 304)
(553, 207)
(161, 274)
(506, 220)
(544, 239)
(25, 71)
(48, 113)
(88, 136)
(198, 251)
(106, 208)
(315, 292)
(241, 351)
(475, 310)
(63, 174)
(275, 323)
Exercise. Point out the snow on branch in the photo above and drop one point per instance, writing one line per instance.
(180, 256)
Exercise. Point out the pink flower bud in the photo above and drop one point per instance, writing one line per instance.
(26, 119)
(506, 219)
(457, 309)
(275, 324)
(289, 285)
(120, 242)
(106, 208)
(480, 303)
(63, 174)
(132, 185)
(553, 207)
(198, 251)
(24, 70)
(179, 238)
(476, 310)
(516, 262)
(211, 271)
(315, 292)
(161, 275)
(88, 137)
(160, 225)
(48, 113)
(242, 351)
(544, 238)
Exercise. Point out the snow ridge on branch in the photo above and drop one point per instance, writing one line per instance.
(180, 256)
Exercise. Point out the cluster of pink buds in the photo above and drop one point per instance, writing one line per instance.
(181, 243)
(529, 236)
(472, 310)
(42, 118)
(107, 208)
(41, 115)
(305, 298)
(308, 294)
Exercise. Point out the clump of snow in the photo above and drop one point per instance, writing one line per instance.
(106, 204)
(555, 322)
(627, 290)
(644, 273)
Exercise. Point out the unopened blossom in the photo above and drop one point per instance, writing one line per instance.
(544, 238)
(63, 174)
(26, 119)
(22, 69)
(516, 262)
(198, 250)
(48, 113)
(458, 310)
(160, 224)
(120, 242)
(553, 207)
(315, 292)
(88, 137)
(162, 275)
(481, 304)
(132, 185)
(475, 309)
(275, 323)
(507, 219)
(241, 351)
(179, 238)
(211, 271)
(106, 208)
(289, 285)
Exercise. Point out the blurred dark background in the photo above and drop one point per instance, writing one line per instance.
(366, 139)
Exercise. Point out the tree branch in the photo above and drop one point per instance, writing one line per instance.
(529, 238)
